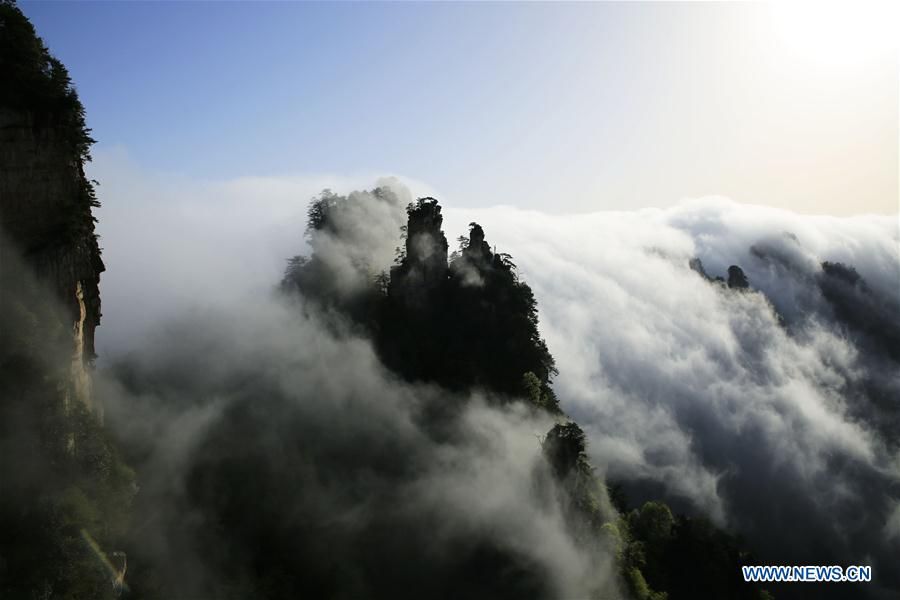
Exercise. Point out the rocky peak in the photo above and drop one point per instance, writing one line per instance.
(737, 279)
(696, 265)
(423, 267)
(478, 250)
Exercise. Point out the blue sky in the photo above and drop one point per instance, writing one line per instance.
(561, 107)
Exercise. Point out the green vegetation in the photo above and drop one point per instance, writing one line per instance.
(64, 482)
(37, 83)
(681, 557)
(467, 321)
(36, 87)
(463, 322)
(66, 493)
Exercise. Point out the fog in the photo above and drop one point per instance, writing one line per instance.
(267, 425)
(172, 244)
(772, 411)
(767, 410)
(265, 430)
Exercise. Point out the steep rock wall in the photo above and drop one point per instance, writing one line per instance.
(45, 199)
(43, 215)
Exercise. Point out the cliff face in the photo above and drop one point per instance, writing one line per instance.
(66, 490)
(45, 198)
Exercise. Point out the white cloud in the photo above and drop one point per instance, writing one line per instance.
(684, 387)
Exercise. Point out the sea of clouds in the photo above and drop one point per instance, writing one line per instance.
(762, 410)
(767, 411)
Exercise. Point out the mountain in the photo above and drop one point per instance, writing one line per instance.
(46, 198)
(364, 432)
(65, 492)
(466, 321)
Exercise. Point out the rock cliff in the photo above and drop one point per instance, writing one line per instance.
(423, 268)
(45, 199)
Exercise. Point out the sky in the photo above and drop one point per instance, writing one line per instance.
(550, 106)
(685, 130)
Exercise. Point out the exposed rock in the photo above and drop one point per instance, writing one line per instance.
(696, 265)
(737, 279)
(477, 250)
(45, 198)
(423, 268)
(470, 265)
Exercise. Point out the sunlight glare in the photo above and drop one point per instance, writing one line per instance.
(838, 33)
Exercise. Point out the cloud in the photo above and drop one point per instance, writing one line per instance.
(171, 243)
(771, 411)
(266, 437)
(765, 410)
(269, 439)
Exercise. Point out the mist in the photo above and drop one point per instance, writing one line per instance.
(174, 244)
(267, 434)
(352, 384)
(270, 426)
(771, 411)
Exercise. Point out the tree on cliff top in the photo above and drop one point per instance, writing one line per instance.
(469, 323)
(36, 82)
